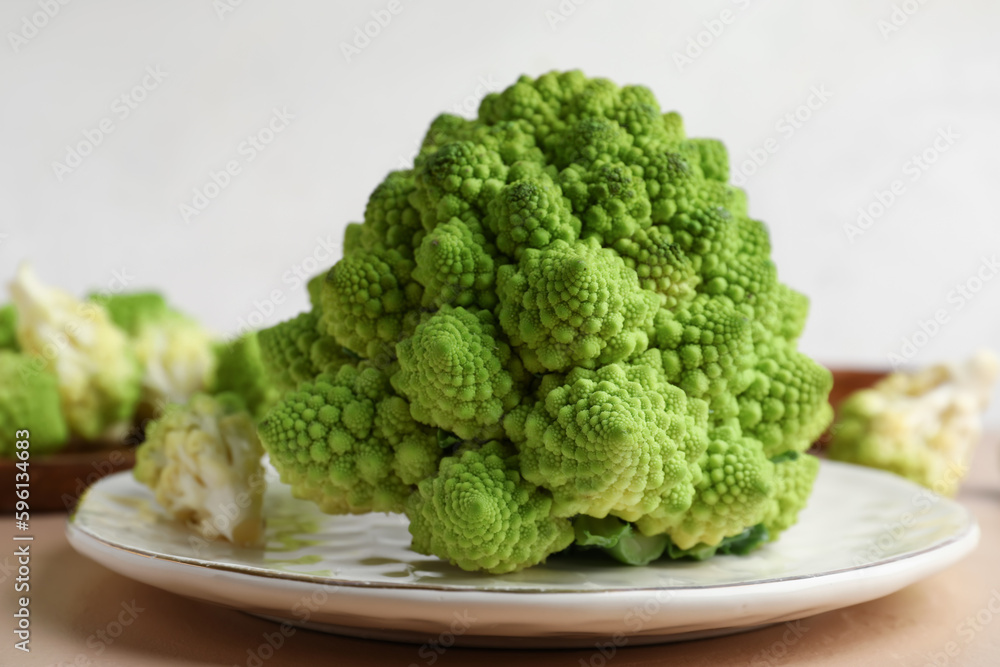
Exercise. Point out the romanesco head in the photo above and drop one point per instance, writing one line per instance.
(571, 266)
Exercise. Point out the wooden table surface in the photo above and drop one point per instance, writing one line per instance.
(84, 614)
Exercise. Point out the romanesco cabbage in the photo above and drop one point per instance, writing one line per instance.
(563, 313)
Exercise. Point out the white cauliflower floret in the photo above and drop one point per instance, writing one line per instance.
(922, 425)
(96, 368)
(203, 463)
(178, 359)
(176, 353)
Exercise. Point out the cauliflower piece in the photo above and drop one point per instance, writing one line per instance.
(176, 352)
(203, 463)
(922, 425)
(92, 359)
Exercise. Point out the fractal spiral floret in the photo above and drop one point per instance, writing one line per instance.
(559, 327)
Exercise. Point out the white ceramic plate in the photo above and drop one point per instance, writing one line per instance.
(864, 535)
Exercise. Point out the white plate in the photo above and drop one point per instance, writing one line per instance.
(865, 534)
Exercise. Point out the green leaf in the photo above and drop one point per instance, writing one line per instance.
(604, 533)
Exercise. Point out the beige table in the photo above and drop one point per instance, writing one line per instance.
(83, 614)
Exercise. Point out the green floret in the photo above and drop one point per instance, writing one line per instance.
(174, 350)
(785, 405)
(454, 370)
(294, 351)
(617, 440)
(530, 212)
(609, 198)
(794, 475)
(457, 181)
(366, 298)
(573, 305)
(354, 241)
(748, 278)
(8, 328)
(390, 218)
(707, 351)
(479, 514)
(455, 268)
(29, 401)
(315, 288)
(240, 371)
(712, 158)
(661, 265)
(734, 492)
(348, 443)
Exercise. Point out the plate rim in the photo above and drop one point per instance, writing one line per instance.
(971, 532)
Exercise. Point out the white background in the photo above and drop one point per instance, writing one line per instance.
(891, 92)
